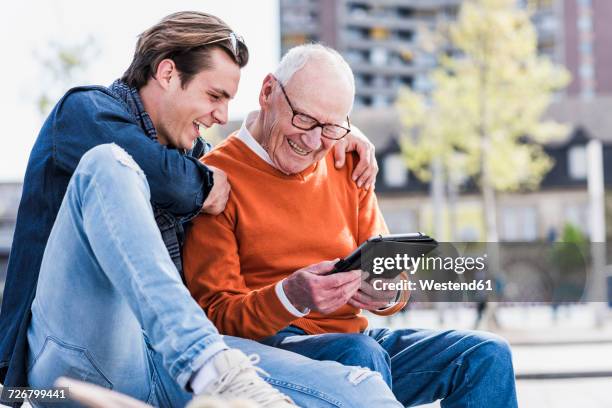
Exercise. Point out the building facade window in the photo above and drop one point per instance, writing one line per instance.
(379, 56)
(577, 162)
(586, 71)
(519, 224)
(396, 174)
(578, 216)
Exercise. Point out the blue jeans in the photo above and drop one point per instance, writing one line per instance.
(463, 368)
(110, 307)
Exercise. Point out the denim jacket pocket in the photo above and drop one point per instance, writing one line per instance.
(57, 358)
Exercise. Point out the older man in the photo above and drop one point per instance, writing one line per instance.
(257, 267)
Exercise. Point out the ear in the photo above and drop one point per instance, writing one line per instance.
(166, 69)
(265, 94)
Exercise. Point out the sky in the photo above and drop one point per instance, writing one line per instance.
(29, 27)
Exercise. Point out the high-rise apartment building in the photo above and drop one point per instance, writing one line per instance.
(379, 39)
(382, 41)
(577, 34)
(588, 46)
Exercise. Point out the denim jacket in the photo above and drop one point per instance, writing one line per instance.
(86, 117)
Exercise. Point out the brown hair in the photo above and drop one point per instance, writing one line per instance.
(179, 37)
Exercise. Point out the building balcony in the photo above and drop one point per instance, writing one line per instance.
(367, 44)
(415, 4)
(369, 90)
(309, 28)
(387, 21)
(388, 69)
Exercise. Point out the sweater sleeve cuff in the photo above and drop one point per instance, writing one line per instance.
(280, 292)
(276, 314)
(392, 303)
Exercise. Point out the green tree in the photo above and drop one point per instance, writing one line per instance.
(63, 66)
(483, 117)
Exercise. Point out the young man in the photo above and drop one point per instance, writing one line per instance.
(109, 306)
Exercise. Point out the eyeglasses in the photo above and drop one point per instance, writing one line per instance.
(306, 122)
(234, 39)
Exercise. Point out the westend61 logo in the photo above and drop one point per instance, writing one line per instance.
(411, 264)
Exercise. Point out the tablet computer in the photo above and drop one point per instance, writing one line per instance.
(413, 244)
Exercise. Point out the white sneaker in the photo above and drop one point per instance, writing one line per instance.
(239, 380)
(207, 401)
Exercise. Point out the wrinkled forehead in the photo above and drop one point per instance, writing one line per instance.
(321, 90)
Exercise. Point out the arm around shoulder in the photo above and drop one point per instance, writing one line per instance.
(86, 118)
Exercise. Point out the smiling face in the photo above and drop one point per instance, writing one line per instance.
(202, 102)
(321, 90)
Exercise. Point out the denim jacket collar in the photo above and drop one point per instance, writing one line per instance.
(132, 99)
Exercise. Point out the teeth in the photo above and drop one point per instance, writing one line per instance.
(295, 147)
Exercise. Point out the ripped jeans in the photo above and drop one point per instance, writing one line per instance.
(468, 369)
(111, 309)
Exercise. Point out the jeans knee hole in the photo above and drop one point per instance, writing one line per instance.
(124, 158)
(359, 374)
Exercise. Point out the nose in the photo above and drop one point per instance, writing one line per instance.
(220, 113)
(312, 138)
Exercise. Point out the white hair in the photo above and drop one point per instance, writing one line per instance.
(297, 57)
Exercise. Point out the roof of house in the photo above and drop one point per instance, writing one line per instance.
(594, 116)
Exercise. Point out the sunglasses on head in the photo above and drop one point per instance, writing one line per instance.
(234, 39)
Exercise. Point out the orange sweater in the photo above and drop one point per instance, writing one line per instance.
(273, 225)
